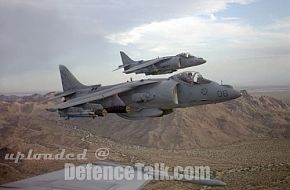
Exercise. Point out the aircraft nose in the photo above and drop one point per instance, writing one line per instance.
(202, 61)
(236, 94)
(233, 93)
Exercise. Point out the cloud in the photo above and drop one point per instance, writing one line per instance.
(229, 46)
(36, 35)
(37, 32)
(119, 15)
(31, 36)
(191, 33)
(187, 31)
(281, 24)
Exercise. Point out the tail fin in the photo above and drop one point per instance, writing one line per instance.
(127, 61)
(69, 81)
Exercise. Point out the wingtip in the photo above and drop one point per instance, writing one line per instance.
(119, 67)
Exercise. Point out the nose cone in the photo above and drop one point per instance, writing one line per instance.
(232, 93)
(236, 94)
(202, 61)
(199, 61)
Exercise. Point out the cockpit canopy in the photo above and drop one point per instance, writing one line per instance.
(192, 77)
(187, 55)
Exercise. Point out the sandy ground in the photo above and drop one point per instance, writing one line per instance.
(255, 164)
(258, 164)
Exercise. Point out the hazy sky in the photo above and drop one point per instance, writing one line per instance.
(245, 42)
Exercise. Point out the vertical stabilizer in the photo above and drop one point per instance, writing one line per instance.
(127, 61)
(69, 81)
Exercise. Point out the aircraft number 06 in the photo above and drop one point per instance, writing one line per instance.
(222, 93)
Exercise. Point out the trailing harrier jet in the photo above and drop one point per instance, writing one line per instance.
(163, 65)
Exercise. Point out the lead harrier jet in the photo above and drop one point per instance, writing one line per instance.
(162, 65)
(139, 99)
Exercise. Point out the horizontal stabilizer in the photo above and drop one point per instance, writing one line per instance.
(121, 66)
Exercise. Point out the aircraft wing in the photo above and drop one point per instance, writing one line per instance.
(146, 64)
(57, 180)
(101, 94)
(64, 94)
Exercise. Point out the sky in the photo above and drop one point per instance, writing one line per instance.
(245, 42)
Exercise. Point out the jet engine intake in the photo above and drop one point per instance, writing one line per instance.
(164, 93)
(142, 97)
(173, 63)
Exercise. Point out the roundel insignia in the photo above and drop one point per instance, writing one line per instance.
(203, 91)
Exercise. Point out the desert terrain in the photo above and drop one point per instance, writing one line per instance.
(278, 92)
(246, 142)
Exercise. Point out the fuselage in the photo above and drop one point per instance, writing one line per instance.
(170, 93)
(169, 64)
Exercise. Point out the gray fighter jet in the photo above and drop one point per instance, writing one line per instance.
(163, 65)
(139, 99)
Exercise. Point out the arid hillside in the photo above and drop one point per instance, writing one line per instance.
(203, 126)
(244, 141)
